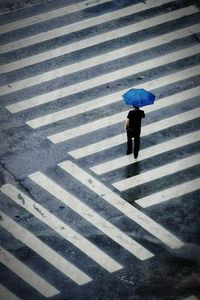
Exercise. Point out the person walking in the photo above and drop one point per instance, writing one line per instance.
(133, 128)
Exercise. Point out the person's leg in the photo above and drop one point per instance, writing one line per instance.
(129, 142)
(136, 146)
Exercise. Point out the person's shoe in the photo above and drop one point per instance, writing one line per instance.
(135, 156)
(128, 152)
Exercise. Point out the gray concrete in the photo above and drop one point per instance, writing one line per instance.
(170, 274)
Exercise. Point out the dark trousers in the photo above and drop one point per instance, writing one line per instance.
(130, 135)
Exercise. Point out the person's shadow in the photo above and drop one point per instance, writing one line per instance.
(132, 170)
(134, 193)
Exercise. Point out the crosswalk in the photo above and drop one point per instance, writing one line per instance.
(80, 25)
(43, 250)
(6, 294)
(172, 144)
(89, 42)
(103, 79)
(123, 206)
(151, 128)
(27, 274)
(49, 15)
(151, 175)
(62, 75)
(65, 231)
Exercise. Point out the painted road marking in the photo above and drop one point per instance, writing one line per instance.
(119, 117)
(157, 173)
(61, 228)
(147, 153)
(91, 216)
(119, 203)
(87, 23)
(113, 34)
(43, 250)
(148, 129)
(6, 294)
(109, 99)
(24, 272)
(99, 59)
(63, 11)
(103, 79)
(168, 194)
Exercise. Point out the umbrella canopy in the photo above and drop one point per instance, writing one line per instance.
(138, 97)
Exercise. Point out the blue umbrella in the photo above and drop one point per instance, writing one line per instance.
(138, 97)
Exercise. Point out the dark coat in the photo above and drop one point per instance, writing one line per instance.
(135, 118)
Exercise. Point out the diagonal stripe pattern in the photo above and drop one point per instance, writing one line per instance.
(80, 45)
(6, 294)
(37, 282)
(63, 11)
(100, 59)
(46, 75)
(176, 191)
(43, 250)
(170, 145)
(123, 206)
(81, 25)
(151, 175)
(91, 216)
(119, 117)
(149, 129)
(103, 79)
(61, 228)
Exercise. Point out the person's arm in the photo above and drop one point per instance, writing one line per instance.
(126, 124)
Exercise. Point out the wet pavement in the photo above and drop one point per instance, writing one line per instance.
(63, 151)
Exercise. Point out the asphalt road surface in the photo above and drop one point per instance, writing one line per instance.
(80, 219)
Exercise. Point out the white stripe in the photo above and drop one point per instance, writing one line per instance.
(157, 173)
(67, 29)
(98, 39)
(61, 228)
(115, 200)
(119, 117)
(43, 250)
(168, 194)
(121, 138)
(86, 128)
(65, 10)
(103, 79)
(6, 294)
(112, 98)
(147, 153)
(100, 59)
(24, 272)
(91, 216)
